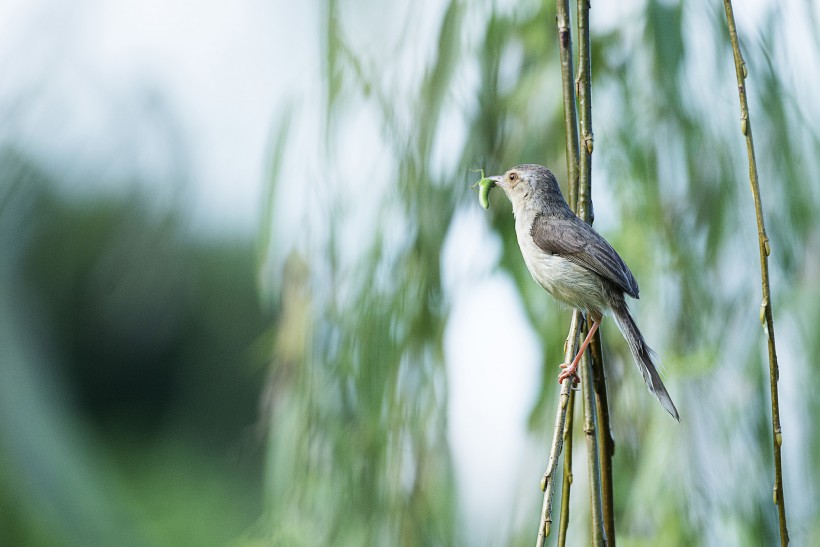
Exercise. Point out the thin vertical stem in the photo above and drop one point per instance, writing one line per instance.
(562, 19)
(563, 429)
(584, 86)
(599, 535)
(568, 86)
(593, 461)
(563, 524)
(606, 444)
(764, 248)
(548, 481)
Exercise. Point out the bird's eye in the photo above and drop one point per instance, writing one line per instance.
(513, 177)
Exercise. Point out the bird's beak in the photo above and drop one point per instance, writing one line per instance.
(498, 180)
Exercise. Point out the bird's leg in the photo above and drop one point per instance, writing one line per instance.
(569, 370)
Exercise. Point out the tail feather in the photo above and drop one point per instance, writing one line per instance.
(644, 358)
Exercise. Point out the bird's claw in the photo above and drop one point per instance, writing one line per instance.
(568, 371)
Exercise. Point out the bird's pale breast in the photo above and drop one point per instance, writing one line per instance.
(567, 282)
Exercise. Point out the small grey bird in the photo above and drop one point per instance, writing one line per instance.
(577, 266)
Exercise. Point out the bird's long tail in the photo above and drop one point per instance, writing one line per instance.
(644, 357)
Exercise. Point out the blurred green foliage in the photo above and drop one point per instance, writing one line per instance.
(132, 369)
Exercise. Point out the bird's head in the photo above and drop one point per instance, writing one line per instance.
(530, 186)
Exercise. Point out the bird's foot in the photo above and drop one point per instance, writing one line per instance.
(570, 371)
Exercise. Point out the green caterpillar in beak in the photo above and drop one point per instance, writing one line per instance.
(484, 187)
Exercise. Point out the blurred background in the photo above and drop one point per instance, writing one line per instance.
(248, 297)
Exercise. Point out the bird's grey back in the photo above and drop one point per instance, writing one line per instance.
(558, 231)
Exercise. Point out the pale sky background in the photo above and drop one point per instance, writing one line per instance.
(224, 71)
(221, 70)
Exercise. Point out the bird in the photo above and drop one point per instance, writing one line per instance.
(576, 265)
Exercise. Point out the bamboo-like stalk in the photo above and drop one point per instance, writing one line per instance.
(562, 19)
(741, 73)
(599, 536)
(562, 424)
(568, 88)
(584, 86)
(600, 445)
(606, 444)
(563, 523)
(548, 481)
(593, 460)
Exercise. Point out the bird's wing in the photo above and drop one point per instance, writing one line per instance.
(575, 240)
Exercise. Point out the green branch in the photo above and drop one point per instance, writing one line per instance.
(548, 481)
(606, 444)
(600, 446)
(568, 88)
(563, 524)
(764, 248)
(563, 426)
(599, 533)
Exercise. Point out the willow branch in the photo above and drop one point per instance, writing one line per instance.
(599, 536)
(566, 484)
(568, 87)
(606, 444)
(593, 461)
(548, 481)
(764, 248)
(563, 428)
(572, 152)
(584, 85)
